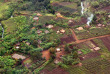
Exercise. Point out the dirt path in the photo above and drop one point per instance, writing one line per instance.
(80, 41)
(83, 40)
(74, 35)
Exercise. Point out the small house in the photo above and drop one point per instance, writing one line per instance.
(38, 32)
(56, 61)
(96, 48)
(70, 21)
(58, 49)
(46, 31)
(79, 28)
(17, 47)
(36, 18)
(62, 31)
(18, 56)
(99, 25)
(59, 15)
(58, 32)
(79, 52)
(50, 26)
(27, 43)
(38, 14)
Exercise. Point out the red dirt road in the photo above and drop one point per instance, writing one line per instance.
(74, 35)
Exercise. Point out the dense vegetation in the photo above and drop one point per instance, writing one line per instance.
(33, 28)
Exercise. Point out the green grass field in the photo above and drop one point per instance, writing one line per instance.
(5, 11)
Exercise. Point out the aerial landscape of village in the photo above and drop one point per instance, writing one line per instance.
(54, 36)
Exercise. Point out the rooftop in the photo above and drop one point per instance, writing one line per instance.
(18, 56)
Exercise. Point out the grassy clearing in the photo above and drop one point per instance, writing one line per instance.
(5, 11)
(72, 5)
(43, 19)
(11, 25)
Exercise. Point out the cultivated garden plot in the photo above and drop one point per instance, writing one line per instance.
(94, 65)
(65, 6)
(92, 32)
(89, 55)
(106, 42)
(79, 22)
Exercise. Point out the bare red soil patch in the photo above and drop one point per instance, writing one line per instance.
(89, 55)
(82, 21)
(106, 41)
(57, 70)
(67, 39)
(46, 54)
